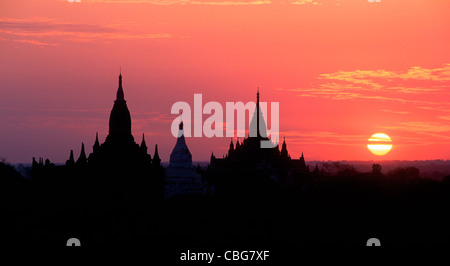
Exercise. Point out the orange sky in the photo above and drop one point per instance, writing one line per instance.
(342, 70)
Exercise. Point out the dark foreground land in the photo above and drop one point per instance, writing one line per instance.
(250, 210)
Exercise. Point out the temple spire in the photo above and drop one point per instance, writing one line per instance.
(284, 152)
(96, 143)
(82, 159)
(257, 113)
(120, 94)
(143, 146)
(231, 149)
(119, 119)
(143, 140)
(156, 160)
(302, 161)
(82, 153)
(181, 130)
(258, 127)
(180, 156)
(70, 162)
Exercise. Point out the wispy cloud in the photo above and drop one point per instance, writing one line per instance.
(205, 2)
(368, 77)
(444, 117)
(322, 137)
(304, 2)
(389, 86)
(338, 91)
(49, 32)
(421, 127)
(417, 90)
(422, 133)
(81, 120)
(184, 2)
(435, 108)
(395, 112)
(35, 42)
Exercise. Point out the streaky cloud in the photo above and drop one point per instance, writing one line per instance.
(49, 32)
(184, 2)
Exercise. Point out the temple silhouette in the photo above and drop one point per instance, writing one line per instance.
(118, 172)
(247, 169)
(120, 161)
(250, 155)
(120, 195)
(182, 177)
(119, 168)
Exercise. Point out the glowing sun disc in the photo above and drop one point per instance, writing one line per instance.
(379, 144)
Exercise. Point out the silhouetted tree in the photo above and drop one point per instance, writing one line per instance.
(376, 169)
(404, 174)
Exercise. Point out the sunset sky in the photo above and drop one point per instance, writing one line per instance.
(341, 70)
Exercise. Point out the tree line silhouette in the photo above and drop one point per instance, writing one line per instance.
(343, 208)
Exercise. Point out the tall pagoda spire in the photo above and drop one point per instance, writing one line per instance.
(257, 113)
(120, 94)
(258, 127)
(120, 119)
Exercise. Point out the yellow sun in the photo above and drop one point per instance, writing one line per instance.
(379, 144)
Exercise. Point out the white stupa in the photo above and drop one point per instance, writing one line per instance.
(181, 175)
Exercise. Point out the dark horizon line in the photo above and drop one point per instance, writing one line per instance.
(343, 160)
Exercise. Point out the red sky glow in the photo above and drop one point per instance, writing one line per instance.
(341, 70)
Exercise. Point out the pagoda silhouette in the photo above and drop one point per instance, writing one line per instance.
(120, 161)
(260, 197)
(248, 166)
(248, 154)
(117, 172)
(182, 177)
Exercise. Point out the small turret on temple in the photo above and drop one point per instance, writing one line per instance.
(156, 162)
(82, 159)
(284, 152)
(96, 146)
(231, 149)
(71, 161)
(143, 145)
